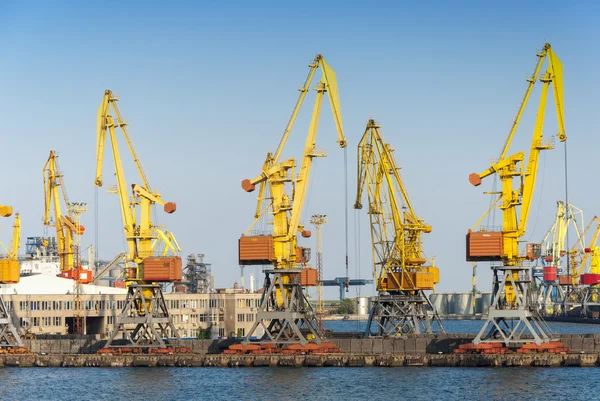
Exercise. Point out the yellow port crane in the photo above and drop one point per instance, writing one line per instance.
(147, 265)
(284, 310)
(512, 279)
(67, 226)
(585, 272)
(399, 263)
(549, 255)
(10, 273)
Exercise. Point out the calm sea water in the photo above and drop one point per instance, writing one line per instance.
(347, 384)
(413, 383)
(468, 326)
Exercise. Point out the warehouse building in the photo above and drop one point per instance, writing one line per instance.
(43, 304)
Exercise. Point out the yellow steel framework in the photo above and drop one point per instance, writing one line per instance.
(286, 208)
(399, 263)
(140, 233)
(66, 228)
(398, 257)
(509, 168)
(144, 301)
(10, 273)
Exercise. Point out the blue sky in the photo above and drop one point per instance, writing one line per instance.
(207, 88)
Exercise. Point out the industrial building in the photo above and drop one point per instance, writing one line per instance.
(43, 304)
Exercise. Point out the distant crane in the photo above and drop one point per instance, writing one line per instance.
(10, 274)
(318, 220)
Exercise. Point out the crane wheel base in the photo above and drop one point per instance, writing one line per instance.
(407, 312)
(293, 321)
(146, 308)
(291, 349)
(552, 347)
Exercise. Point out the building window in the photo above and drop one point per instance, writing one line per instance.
(46, 321)
(57, 305)
(213, 303)
(194, 303)
(23, 322)
(35, 305)
(24, 305)
(68, 305)
(35, 321)
(46, 305)
(9, 305)
(57, 321)
(250, 317)
(248, 303)
(240, 317)
(213, 318)
(174, 304)
(221, 332)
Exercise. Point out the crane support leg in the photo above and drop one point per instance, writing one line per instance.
(551, 298)
(405, 313)
(144, 321)
(291, 323)
(518, 323)
(9, 337)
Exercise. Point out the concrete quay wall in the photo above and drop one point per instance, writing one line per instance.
(406, 345)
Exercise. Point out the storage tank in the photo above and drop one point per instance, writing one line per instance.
(115, 272)
(438, 300)
(486, 302)
(463, 303)
(450, 305)
(362, 305)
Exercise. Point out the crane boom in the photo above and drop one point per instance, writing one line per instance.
(284, 305)
(398, 257)
(145, 307)
(512, 279)
(138, 234)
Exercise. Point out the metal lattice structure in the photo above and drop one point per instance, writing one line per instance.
(295, 321)
(144, 320)
(514, 312)
(75, 211)
(399, 263)
(318, 220)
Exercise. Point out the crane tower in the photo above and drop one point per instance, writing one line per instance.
(399, 263)
(513, 312)
(318, 220)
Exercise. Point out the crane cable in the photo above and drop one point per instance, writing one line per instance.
(347, 284)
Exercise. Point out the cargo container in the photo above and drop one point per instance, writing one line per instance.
(550, 273)
(256, 250)
(485, 246)
(590, 279)
(309, 277)
(412, 281)
(422, 280)
(565, 280)
(10, 271)
(119, 284)
(85, 276)
(162, 268)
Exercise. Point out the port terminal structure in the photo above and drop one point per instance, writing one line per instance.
(513, 312)
(285, 314)
(399, 263)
